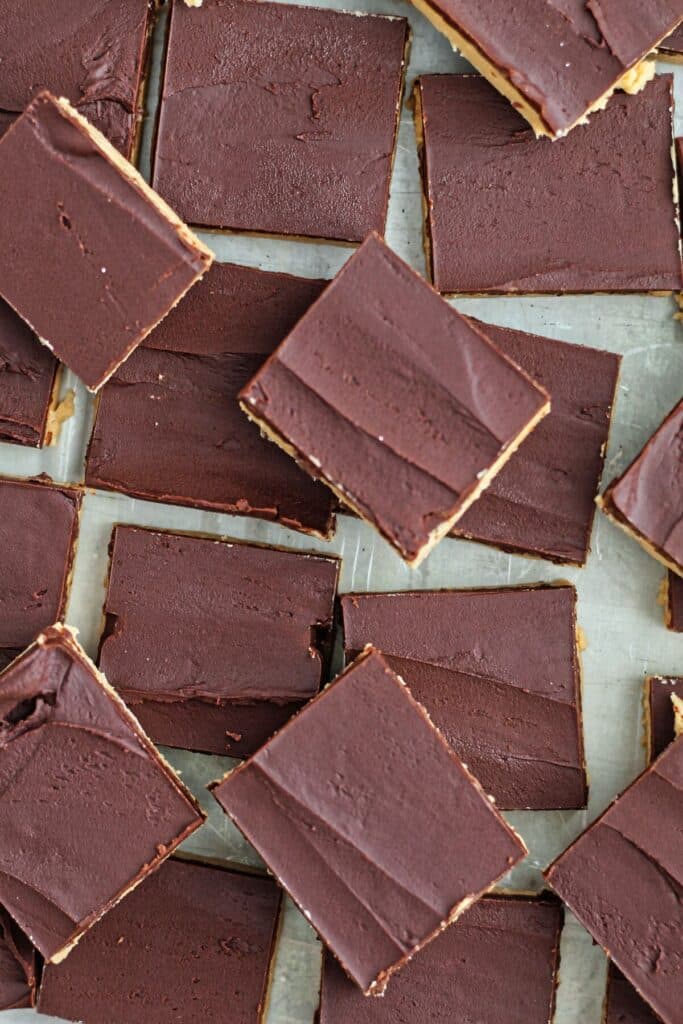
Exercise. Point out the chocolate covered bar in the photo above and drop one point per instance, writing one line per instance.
(179, 389)
(17, 966)
(557, 63)
(107, 259)
(660, 720)
(88, 808)
(542, 503)
(401, 406)
(338, 805)
(194, 941)
(507, 699)
(28, 379)
(507, 213)
(623, 1005)
(302, 106)
(212, 644)
(646, 500)
(38, 533)
(672, 600)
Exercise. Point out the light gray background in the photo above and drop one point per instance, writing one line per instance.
(617, 589)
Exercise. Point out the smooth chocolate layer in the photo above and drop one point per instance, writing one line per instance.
(555, 61)
(499, 963)
(660, 720)
(17, 966)
(91, 51)
(78, 774)
(338, 805)
(191, 944)
(673, 610)
(302, 106)
(543, 501)
(506, 212)
(38, 532)
(27, 379)
(506, 697)
(215, 644)
(623, 1005)
(179, 392)
(392, 398)
(623, 879)
(106, 259)
(672, 46)
(647, 499)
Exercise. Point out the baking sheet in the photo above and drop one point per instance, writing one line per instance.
(617, 590)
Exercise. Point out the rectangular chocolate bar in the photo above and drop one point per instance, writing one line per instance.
(542, 502)
(623, 879)
(660, 719)
(672, 599)
(499, 963)
(646, 500)
(507, 213)
(214, 645)
(506, 696)
(38, 535)
(93, 53)
(557, 63)
(302, 107)
(28, 375)
(107, 259)
(194, 942)
(17, 966)
(371, 823)
(88, 808)
(401, 406)
(179, 389)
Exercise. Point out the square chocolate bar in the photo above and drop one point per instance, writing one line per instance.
(301, 106)
(88, 807)
(404, 408)
(213, 644)
(370, 821)
(106, 260)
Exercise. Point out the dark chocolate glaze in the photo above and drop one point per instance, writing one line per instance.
(104, 265)
(623, 879)
(661, 711)
(499, 963)
(193, 943)
(673, 44)
(17, 966)
(674, 602)
(543, 500)
(387, 393)
(75, 771)
(648, 497)
(623, 1004)
(562, 55)
(215, 643)
(593, 212)
(341, 806)
(91, 51)
(302, 108)
(27, 378)
(179, 392)
(506, 699)
(38, 531)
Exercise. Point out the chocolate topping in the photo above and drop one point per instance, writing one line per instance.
(673, 44)
(191, 944)
(594, 212)
(647, 499)
(179, 392)
(623, 1004)
(674, 602)
(38, 531)
(506, 698)
(75, 769)
(623, 879)
(106, 260)
(562, 58)
(543, 500)
(91, 51)
(27, 378)
(17, 966)
(302, 108)
(499, 963)
(660, 712)
(400, 404)
(207, 636)
(369, 820)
